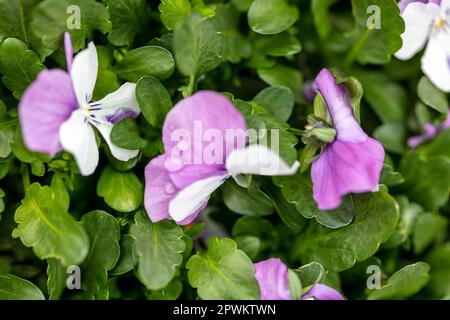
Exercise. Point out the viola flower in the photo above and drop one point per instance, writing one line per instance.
(428, 22)
(404, 3)
(272, 278)
(205, 140)
(353, 161)
(430, 131)
(56, 112)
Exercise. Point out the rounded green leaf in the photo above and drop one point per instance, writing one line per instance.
(15, 288)
(125, 134)
(278, 100)
(122, 191)
(271, 16)
(432, 96)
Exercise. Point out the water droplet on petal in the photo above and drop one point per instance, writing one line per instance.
(169, 188)
(173, 164)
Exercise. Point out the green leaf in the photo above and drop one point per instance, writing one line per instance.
(104, 235)
(278, 45)
(205, 45)
(438, 146)
(171, 292)
(51, 19)
(389, 177)
(173, 12)
(246, 201)
(52, 232)
(154, 100)
(106, 79)
(376, 44)
(337, 250)
(7, 129)
(145, 61)
(259, 228)
(15, 288)
(278, 100)
(428, 228)
(297, 190)
(249, 244)
(57, 278)
(127, 17)
(271, 16)
(125, 134)
(432, 96)
(223, 272)
(392, 136)
(283, 76)
(311, 274)
(427, 180)
(158, 248)
(122, 191)
(439, 260)
(319, 10)
(400, 286)
(125, 262)
(19, 65)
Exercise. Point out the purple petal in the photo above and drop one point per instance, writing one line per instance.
(322, 292)
(446, 123)
(344, 168)
(309, 90)
(404, 3)
(159, 191)
(272, 277)
(337, 99)
(45, 105)
(204, 112)
(121, 114)
(68, 47)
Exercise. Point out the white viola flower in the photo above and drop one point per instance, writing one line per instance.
(56, 112)
(428, 24)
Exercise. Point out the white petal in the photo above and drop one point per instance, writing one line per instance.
(118, 153)
(258, 159)
(77, 137)
(121, 100)
(84, 73)
(445, 8)
(193, 197)
(419, 19)
(436, 60)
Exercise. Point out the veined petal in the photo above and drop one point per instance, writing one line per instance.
(344, 168)
(322, 292)
(436, 59)
(419, 19)
(68, 47)
(272, 277)
(115, 106)
(118, 153)
(159, 191)
(206, 121)
(84, 73)
(46, 104)
(194, 197)
(258, 159)
(404, 3)
(337, 99)
(78, 137)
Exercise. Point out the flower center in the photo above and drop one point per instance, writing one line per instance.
(439, 24)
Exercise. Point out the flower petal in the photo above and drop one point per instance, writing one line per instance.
(419, 18)
(115, 106)
(258, 159)
(84, 74)
(118, 153)
(45, 105)
(322, 292)
(77, 137)
(345, 168)
(436, 59)
(337, 99)
(272, 277)
(206, 113)
(194, 197)
(159, 191)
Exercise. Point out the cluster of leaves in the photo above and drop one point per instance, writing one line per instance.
(260, 53)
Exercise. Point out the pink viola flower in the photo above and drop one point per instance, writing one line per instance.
(352, 163)
(430, 131)
(56, 112)
(205, 139)
(427, 24)
(272, 278)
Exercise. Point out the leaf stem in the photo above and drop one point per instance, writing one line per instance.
(356, 49)
(25, 176)
(297, 132)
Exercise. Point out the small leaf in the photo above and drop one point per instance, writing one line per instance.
(223, 272)
(127, 17)
(311, 274)
(57, 277)
(278, 100)
(283, 76)
(52, 232)
(125, 262)
(271, 16)
(125, 134)
(428, 228)
(278, 45)
(145, 61)
(122, 191)
(246, 201)
(173, 12)
(392, 136)
(432, 96)
(158, 248)
(154, 100)
(15, 288)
